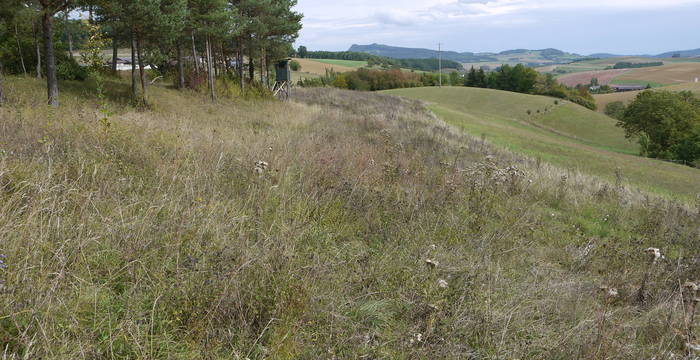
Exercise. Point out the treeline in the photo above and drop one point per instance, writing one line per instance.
(630, 65)
(385, 62)
(194, 40)
(376, 80)
(522, 79)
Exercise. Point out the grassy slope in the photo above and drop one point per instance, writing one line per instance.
(150, 236)
(580, 139)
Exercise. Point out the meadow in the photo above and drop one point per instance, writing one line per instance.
(345, 63)
(563, 134)
(338, 225)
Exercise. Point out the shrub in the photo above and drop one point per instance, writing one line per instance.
(295, 65)
(68, 69)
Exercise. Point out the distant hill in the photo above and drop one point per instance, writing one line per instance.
(524, 56)
(682, 53)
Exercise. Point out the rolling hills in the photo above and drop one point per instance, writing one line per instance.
(566, 135)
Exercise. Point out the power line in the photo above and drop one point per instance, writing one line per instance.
(440, 63)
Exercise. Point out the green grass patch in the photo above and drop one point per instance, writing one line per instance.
(638, 82)
(347, 63)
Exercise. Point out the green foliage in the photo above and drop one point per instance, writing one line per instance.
(629, 65)
(615, 110)
(69, 69)
(668, 124)
(302, 52)
(340, 82)
(295, 65)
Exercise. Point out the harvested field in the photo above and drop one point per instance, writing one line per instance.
(667, 74)
(604, 77)
(316, 67)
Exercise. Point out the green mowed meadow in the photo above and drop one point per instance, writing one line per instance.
(564, 134)
(348, 63)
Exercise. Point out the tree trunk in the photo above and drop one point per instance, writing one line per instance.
(133, 65)
(142, 71)
(239, 65)
(194, 55)
(263, 73)
(180, 69)
(70, 35)
(251, 69)
(210, 67)
(19, 51)
(2, 92)
(51, 80)
(115, 53)
(38, 51)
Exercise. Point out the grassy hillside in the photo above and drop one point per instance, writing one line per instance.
(566, 135)
(340, 225)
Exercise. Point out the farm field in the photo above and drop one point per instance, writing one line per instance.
(313, 66)
(345, 63)
(626, 97)
(604, 77)
(567, 135)
(667, 74)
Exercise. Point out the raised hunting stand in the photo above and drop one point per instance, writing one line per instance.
(283, 80)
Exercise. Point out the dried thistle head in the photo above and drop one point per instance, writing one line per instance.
(431, 263)
(608, 292)
(654, 254)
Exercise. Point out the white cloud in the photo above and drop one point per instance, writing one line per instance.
(344, 23)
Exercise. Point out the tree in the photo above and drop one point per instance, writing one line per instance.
(302, 52)
(49, 8)
(666, 123)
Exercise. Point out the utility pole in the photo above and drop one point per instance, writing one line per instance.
(440, 63)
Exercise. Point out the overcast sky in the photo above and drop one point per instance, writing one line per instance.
(581, 26)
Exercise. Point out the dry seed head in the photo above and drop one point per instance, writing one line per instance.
(690, 286)
(609, 292)
(654, 254)
(431, 263)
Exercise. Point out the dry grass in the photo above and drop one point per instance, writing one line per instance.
(150, 236)
(667, 74)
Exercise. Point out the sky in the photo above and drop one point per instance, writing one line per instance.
(631, 27)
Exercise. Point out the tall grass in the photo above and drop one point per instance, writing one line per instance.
(160, 234)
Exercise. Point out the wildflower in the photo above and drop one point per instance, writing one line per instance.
(431, 263)
(654, 254)
(2, 261)
(433, 247)
(442, 283)
(269, 149)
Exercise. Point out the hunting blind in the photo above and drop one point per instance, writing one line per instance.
(283, 79)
